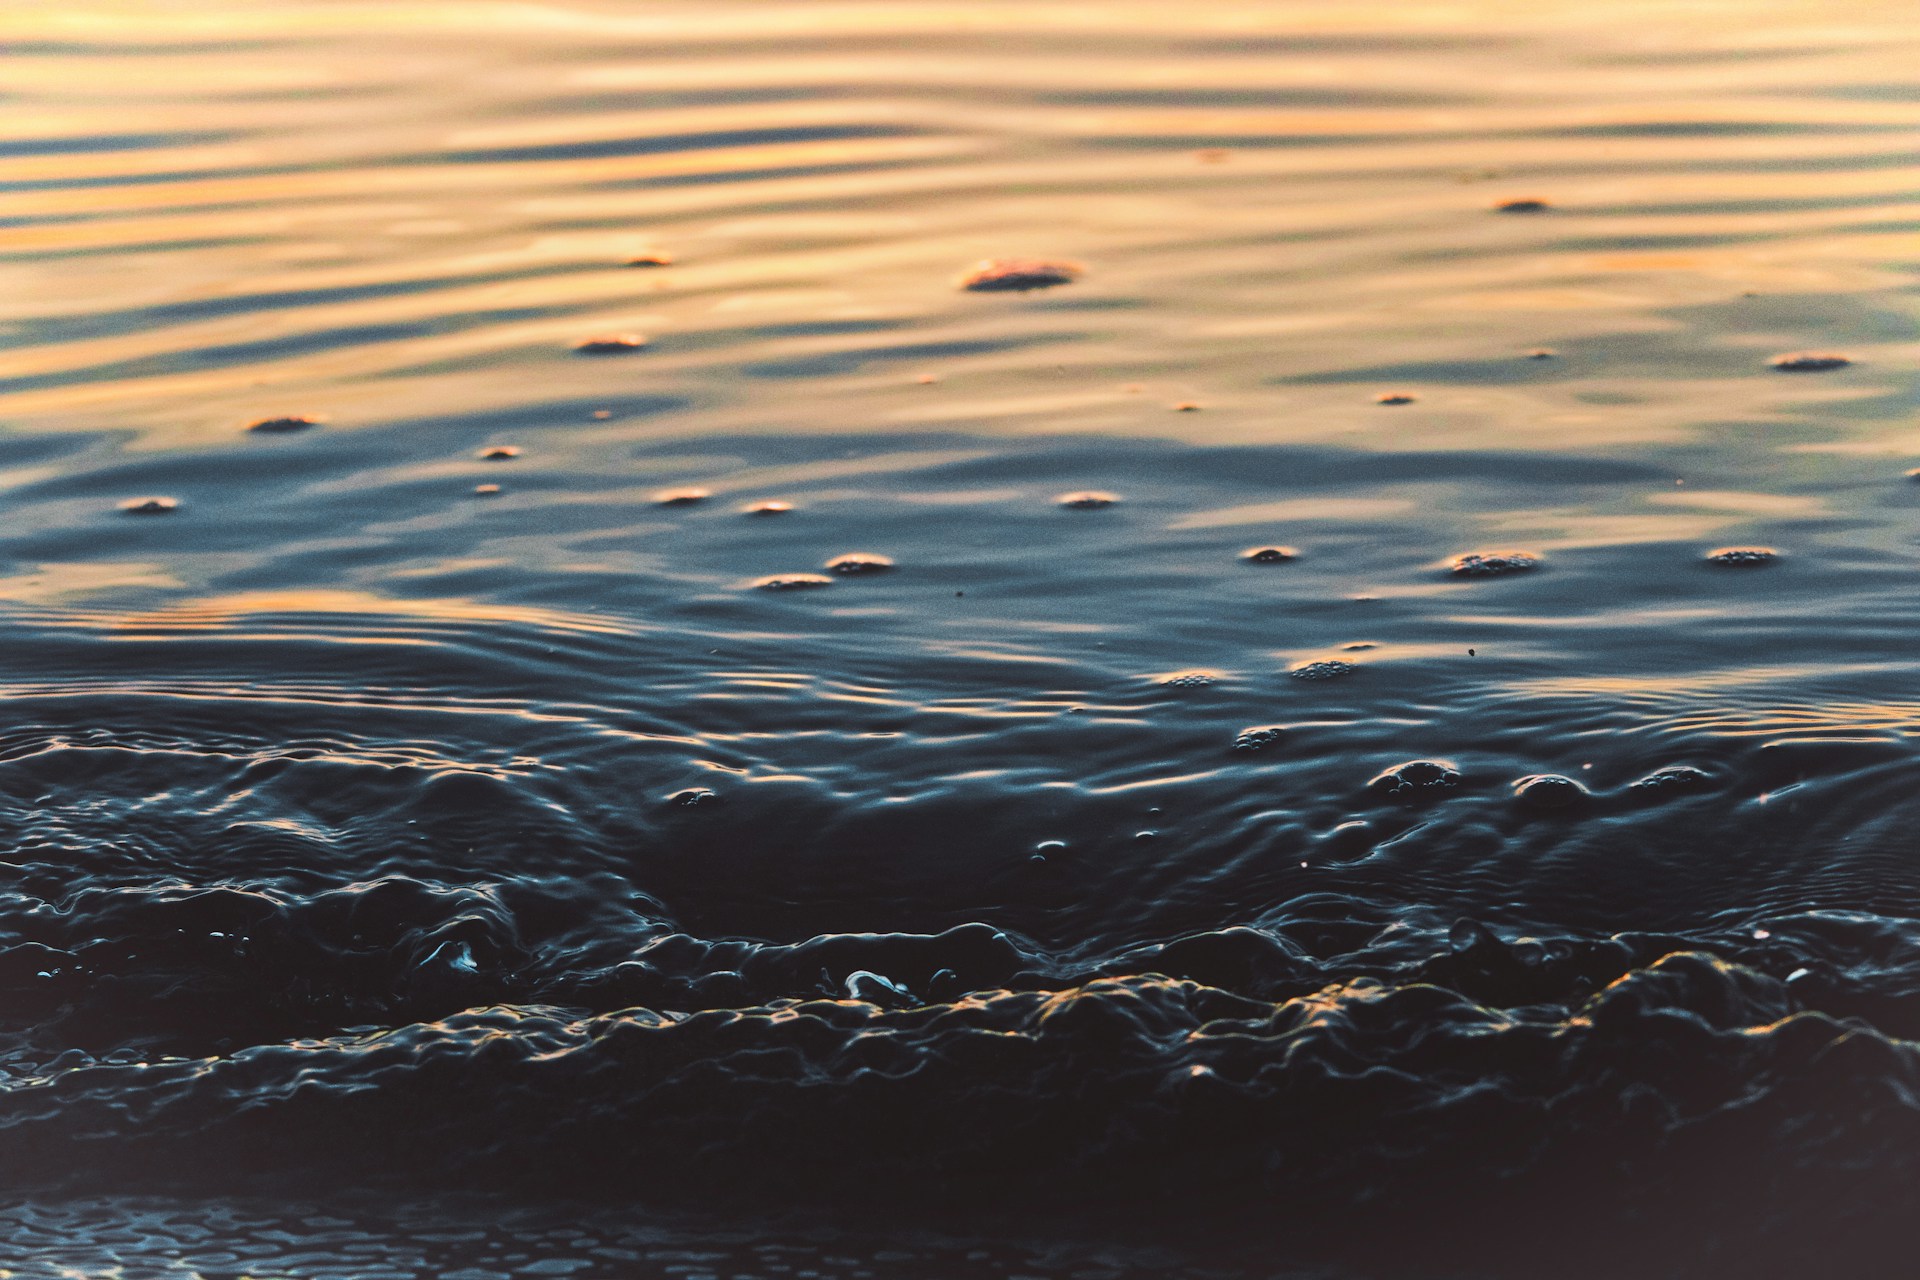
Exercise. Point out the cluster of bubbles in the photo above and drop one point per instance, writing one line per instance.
(1024, 275)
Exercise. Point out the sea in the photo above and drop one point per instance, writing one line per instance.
(918, 639)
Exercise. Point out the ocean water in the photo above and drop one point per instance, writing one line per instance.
(471, 826)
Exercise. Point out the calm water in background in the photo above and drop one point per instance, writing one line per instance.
(361, 831)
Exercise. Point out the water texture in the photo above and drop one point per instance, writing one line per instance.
(1344, 714)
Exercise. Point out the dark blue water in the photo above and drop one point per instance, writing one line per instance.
(729, 802)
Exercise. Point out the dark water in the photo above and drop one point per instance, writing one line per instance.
(425, 863)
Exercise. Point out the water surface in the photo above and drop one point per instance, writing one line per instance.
(432, 798)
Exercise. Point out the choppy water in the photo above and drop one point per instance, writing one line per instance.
(1073, 896)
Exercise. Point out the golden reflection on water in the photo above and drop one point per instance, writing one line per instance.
(382, 210)
(55, 592)
(218, 613)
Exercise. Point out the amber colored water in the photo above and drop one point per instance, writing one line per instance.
(419, 862)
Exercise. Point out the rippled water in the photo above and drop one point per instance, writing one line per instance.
(425, 794)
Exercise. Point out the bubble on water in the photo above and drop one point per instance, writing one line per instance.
(1523, 204)
(692, 798)
(500, 452)
(486, 490)
(1087, 499)
(1742, 557)
(792, 581)
(1674, 778)
(150, 506)
(1549, 791)
(1018, 275)
(772, 507)
(1259, 737)
(1467, 935)
(875, 988)
(1414, 778)
(857, 562)
(1492, 564)
(1192, 678)
(681, 497)
(651, 260)
(1269, 555)
(611, 344)
(1809, 361)
(1050, 847)
(284, 426)
(1393, 397)
(455, 955)
(1327, 669)
(1353, 838)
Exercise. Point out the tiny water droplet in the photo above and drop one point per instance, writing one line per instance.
(858, 562)
(1259, 737)
(1491, 564)
(681, 497)
(1809, 362)
(150, 506)
(1742, 557)
(1549, 791)
(1329, 669)
(792, 582)
(284, 426)
(611, 344)
(1018, 275)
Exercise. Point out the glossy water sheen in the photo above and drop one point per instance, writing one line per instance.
(416, 794)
